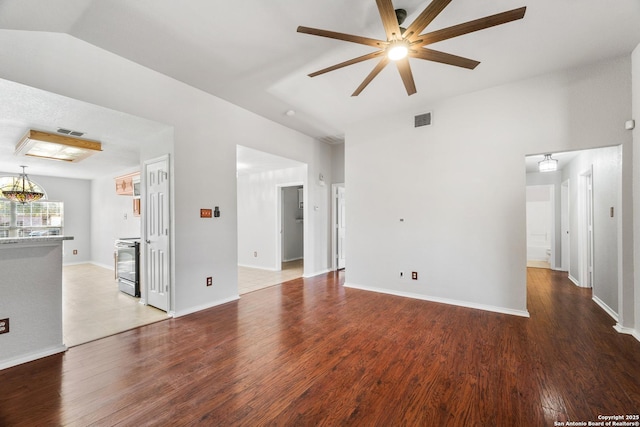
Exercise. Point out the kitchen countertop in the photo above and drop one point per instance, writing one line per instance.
(35, 239)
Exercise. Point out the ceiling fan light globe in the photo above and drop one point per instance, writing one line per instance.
(397, 51)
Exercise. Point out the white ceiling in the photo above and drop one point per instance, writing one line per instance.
(249, 52)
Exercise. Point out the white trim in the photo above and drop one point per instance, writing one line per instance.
(32, 356)
(502, 310)
(605, 307)
(259, 267)
(624, 330)
(574, 280)
(317, 273)
(192, 310)
(108, 267)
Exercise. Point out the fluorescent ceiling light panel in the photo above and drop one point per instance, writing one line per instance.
(56, 147)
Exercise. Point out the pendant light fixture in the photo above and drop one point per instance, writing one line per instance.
(21, 189)
(548, 164)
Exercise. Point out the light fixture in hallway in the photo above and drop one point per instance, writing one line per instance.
(547, 164)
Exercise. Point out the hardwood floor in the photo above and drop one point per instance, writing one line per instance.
(310, 352)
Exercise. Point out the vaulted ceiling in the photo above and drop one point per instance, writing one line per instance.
(249, 53)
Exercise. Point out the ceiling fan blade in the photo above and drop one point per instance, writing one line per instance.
(407, 75)
(349, 62)
(425, 18)
(383, 63)
(380, 44)
(389, 20)
(444, 58)
(471, 26)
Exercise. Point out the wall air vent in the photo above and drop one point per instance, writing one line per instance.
(422, 120)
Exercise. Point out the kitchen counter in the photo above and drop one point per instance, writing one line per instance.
(35, 239)
(31, 298)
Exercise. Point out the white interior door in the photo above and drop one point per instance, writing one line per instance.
(157, 224)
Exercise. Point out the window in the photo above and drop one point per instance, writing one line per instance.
(42, 218)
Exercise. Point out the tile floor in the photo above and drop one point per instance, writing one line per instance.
(252, 279)
(94, 308)
(539, 264)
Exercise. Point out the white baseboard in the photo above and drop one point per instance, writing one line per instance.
(293, 259)
(502, 310)
(605, 307)
(317, 273)
(574, 280)
(623, 330)
(259, 267)
(203, 307)
(4, 364)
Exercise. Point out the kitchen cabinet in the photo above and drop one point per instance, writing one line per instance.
(126, 183)
(129, 185)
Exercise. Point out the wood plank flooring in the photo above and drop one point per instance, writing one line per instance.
(310, 352)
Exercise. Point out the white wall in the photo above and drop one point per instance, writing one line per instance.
(32, 300)
(606, 165)
(337, 163)
(459, 184)
(76, 196)
(112, 218)
(206, 131)
(258, 228)
(636, 188)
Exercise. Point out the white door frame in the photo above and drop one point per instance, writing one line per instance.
(334, 224)
(565, 221)
(585, 228)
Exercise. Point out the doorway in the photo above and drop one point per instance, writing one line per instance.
(540, 226)
(291, 225)
(565, 212)
(338, 233)
(585, 224)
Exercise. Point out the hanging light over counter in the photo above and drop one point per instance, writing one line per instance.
(21, 189)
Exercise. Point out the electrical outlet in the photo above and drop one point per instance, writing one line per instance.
(4, 326)
(402, 274)
(209, 281)
(414, 275)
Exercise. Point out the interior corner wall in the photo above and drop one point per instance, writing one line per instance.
(258, 229)
(76, 196)
(606, 166)
(206, 131)
(635, 71)
(112, 218)
(337, 163)
(448, 200)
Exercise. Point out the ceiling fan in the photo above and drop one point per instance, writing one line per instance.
(402, 44)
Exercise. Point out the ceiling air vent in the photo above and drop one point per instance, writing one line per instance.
(70, 132)
(423, 120)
